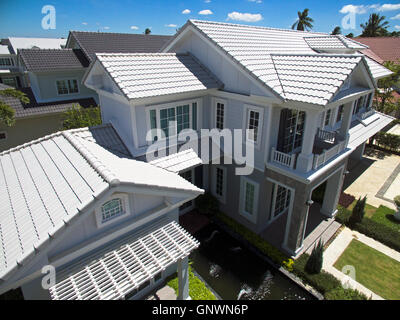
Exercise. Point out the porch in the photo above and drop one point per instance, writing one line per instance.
(318, 227)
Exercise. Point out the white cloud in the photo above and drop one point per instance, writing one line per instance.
(205, 12)
(389, 7)
(397, 27)
(396, 17)
(207, 1)
(171, 25)
(354, 9)
(186, 11)
(84, 23)
(248, 17)
(256, 1)
(134, 28)
(106, 28)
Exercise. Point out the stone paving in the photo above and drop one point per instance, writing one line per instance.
(164, 293)
(377, 176)
(339, 245)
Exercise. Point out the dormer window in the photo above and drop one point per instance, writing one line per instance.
(115, 208)
(69, 86)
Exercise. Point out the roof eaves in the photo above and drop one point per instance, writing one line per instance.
(276, 94)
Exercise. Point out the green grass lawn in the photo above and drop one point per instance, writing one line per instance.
(374, 270)
(383, 215)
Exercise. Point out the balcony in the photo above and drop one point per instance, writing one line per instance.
(327, 145)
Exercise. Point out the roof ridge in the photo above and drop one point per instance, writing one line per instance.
(140, 54)
(256, 27)
(119, 33)
(340, 55)
(95, 162)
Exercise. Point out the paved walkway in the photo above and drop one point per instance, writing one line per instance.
(164, 293)
(377, 176)
(339, 245)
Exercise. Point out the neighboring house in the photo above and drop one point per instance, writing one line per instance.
(76, 201)
(306, 95)
(10, 71)
(382, 49)
(35, 119)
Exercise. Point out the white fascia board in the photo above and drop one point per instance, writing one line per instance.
(232, 61)
(247, 98)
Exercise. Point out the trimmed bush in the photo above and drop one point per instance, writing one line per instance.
(314, 262)
(346, 200)
(207, 204)
(345, 294)
(388, 141)
(397, 201)
(358, 212)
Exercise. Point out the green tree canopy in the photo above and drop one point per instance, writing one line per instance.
(376, 26)
(78, 117)
(147, 31)
(385, 101)
(7, 114)
(337, 30)
(304, 22)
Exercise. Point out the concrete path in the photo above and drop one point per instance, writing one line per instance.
(339, 245)
(395, 130)
(165, 293)
(377, 176)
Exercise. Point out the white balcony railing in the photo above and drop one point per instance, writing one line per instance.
(320, 159)
(284, 159)
(326, 135)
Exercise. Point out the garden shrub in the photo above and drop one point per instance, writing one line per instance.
(358, 212)
(397, 201)
(340, 293)
(388, 140)
(207, 204)
(314, 262)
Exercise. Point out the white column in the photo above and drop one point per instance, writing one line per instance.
(332, 194)
(306, 157)
(183, 279)
(346, 121)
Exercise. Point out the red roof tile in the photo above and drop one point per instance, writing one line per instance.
(387, 48)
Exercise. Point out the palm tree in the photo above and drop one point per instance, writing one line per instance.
(304, 22)
(375, 27)
(6, 112)
(147, 31)
(337, 30)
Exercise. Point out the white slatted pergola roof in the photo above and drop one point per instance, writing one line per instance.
(178, 162)
(119, 271)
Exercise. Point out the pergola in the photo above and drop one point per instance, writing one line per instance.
(118, 270)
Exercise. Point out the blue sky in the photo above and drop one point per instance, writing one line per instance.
(24, 17)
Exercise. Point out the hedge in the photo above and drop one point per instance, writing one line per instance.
(388, 140)
(373, 229)
(325, 282)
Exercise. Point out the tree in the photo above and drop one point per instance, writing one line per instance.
(304, 22)
(376, 26)
(337, 30)
(314, 262)
(384, 101)
(358, 212)
(147, 31)
(6, 112)
(78, 117)
(350, 35)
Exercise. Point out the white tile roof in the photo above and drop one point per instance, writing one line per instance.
(251, 47)
(4, 49)
(179, 161)
(313, 78)
(145, 75)
(362, 131)
(378, 71)
(333, 42)
(41, 43)
(47, 182)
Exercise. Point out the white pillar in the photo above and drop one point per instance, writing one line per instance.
(183, 279)
(346, 121)
(332, 194)
(306, 157)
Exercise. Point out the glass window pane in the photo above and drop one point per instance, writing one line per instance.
(111, 209)
(194, 116)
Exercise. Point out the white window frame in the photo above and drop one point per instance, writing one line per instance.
(125, 204)
(251, 217)
(273, 217)
(5, 135)
(324, 125)
(215, 103)
(224, 184)
(169, 105)
(69, 93)
(246, 119)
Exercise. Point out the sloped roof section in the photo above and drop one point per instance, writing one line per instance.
(34, 108)
(333, 42)
(96, 42)
(377, 70)
(53, 59)
(35, 43)
(179, 161)
(313, 78)
(46, 184)
(387, 48)
(149, 75)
